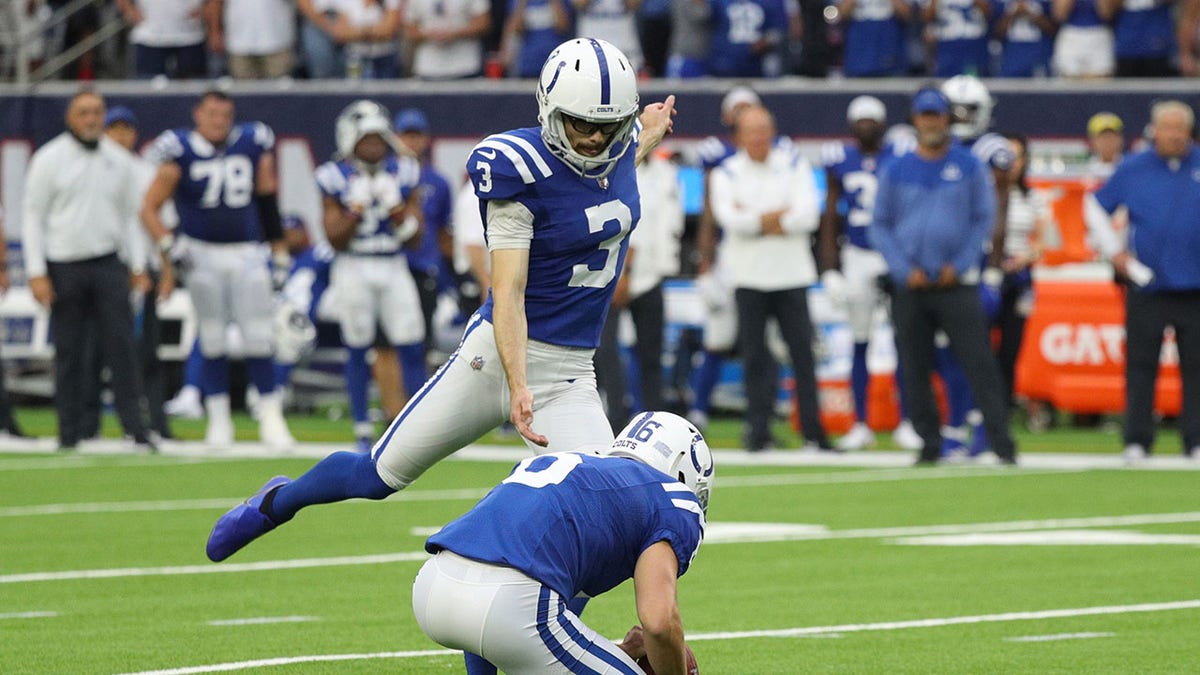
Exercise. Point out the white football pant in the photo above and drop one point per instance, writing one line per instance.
(468, 396)
(509, 619)
(375, 290)
(231, 283)
(861, 269)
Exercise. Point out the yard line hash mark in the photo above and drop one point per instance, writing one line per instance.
(1059, 636)
(262, 620)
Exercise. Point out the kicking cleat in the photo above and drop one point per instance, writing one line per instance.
(242, 524)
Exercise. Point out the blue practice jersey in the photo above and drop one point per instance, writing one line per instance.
(215, 194)
(374, 234)
(737, 25)
(435, 205)
(580, 231)
(577, 523)
(1163, 198)
(858, 176)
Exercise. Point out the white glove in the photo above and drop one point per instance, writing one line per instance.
(835, 286)
(386, 191)
(358, 195)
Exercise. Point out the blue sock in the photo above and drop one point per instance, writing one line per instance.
(633, 375)
(958, 391)
(358, 380)
(215, 376)
(412, 362)
(283, 374)
(261, 373)
(193, 369)
(340, 476)
(859, 380)
(705, 379)
(477, 665)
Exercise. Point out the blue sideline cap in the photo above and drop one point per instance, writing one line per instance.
(120, 113)
(930, 100)
(411, 119)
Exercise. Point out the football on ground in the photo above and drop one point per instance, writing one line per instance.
(644, 662)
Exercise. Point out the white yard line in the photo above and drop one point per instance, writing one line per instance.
(290, 660)
(739, 635)
(197, 451)
(261, 620)
(804, 533)
(952, 621)
(1057, 637)
(28, 615)
(209, 568)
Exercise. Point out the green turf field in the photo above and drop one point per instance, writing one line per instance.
(804, 570)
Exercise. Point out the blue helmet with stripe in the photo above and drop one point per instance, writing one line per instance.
(672, 445)
(591, 81)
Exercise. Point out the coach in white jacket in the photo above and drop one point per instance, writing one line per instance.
(764, 199)
(80, 214)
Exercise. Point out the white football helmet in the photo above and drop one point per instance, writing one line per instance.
(358, 120)
(590, 80)
(672, 445)
(294, 335)
(970, 106)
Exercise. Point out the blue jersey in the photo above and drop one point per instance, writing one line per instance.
(539, 36)
(712, 151)
(308, 278)
(577, 523)
(1143, 29)
(581, 231)
(1027, 49)
(930, 213)
(874, 41)
(344, 179)
(435, 206)
(962, 32)
(738, 25)
(858, 176)
(215, 194)
(1163, 199)
(1084, 14)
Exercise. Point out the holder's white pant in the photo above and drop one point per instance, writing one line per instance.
(469, 396)
(509, 619)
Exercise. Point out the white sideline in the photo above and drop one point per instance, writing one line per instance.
(802, 533)
(196, 450)
(738, 635)
(1057, 637)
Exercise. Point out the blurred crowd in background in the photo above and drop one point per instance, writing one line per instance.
(455, 39)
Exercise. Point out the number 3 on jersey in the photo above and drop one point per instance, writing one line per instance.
(229, 179)
(598, 216)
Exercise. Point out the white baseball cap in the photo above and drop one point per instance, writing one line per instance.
(739, 95)
(866, 108)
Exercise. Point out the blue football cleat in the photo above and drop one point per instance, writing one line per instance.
(242, 524)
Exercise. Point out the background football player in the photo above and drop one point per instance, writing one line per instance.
(222, 178)
(851, 267)
(371, 209)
